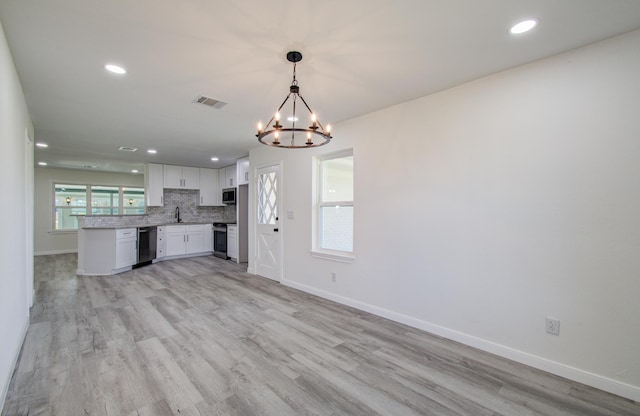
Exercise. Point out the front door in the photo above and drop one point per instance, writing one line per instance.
(268, 261)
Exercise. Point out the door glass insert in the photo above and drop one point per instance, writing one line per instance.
(267, 198)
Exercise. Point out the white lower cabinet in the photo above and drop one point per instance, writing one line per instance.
(187, 239)
(176, 240)
(103, 251)
(195, 239)
(208, 237)
(126, 248)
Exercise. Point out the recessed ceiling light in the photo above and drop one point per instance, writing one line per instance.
(42, 163)
(152, 151)
(127, 149)
(134, 170)
(42, 145)
(115, 69)
(523, 26)
(292, 118)
(214, 159)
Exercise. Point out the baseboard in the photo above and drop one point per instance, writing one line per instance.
(48, 253)
(16, 355)
(575, 374)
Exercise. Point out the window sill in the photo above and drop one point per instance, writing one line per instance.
(342, 258)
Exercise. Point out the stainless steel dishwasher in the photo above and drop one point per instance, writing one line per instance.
(147, 241)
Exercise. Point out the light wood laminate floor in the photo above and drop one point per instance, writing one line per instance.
(200, 337)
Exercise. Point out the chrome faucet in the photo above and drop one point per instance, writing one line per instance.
(178, 214)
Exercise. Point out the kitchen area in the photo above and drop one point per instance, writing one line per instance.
(189, 212)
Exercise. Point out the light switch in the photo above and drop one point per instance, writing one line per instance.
(289, 215)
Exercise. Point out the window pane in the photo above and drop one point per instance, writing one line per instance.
(69, 200)
(104, 211)
(133, 201)
(132, 211)
(336, 228)
(70, 195)
(103, 199)
(337, 179)
(65, 217)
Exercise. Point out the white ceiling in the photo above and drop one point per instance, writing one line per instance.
(359, 56)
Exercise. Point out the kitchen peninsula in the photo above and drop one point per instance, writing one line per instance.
(115, 249)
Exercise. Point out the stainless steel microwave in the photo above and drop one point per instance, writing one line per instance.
(229, 196)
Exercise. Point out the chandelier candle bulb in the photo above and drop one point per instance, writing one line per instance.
(259, 127)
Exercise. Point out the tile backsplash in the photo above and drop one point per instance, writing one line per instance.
(186, 200)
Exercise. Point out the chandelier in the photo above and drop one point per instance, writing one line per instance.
(291, 135)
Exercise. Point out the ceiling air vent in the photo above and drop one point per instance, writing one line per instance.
(211, 102)
(127, 149)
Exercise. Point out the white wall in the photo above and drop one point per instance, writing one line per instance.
(48, 242)
(15, 252)
(482, 209)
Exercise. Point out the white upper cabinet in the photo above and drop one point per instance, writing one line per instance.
(243, 171)
(191, 178)
(154, 184)
(181, 177)
(172, 176)
(230, 176)
(209, 188)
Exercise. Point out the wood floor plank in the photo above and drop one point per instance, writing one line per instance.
(200, 336)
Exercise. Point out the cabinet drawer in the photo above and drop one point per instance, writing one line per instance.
(126, 233)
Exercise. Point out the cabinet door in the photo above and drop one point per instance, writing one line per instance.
(153, 184)
(190, 178)
(172, 176)
(222, 180)
(208, 237)
(232, 241)
(196, 239)
(243, 171)
(209, 187)
(230, 173)
(175, 241)
(126, 252)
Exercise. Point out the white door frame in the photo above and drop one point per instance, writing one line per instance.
(255, 227)
(29, 214)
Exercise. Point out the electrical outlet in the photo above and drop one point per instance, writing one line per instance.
(553, 326)
(333, 276)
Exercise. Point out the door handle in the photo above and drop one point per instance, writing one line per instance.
(275, 230)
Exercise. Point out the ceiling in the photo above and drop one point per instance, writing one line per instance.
(359, 56)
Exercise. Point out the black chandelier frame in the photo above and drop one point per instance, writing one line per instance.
(279, 132)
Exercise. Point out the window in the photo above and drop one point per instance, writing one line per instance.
(105, 200)
(133, 201)
(334, 216)
(70, 200)
(74, 200)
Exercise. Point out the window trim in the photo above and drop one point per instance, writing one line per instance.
(317, 251)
